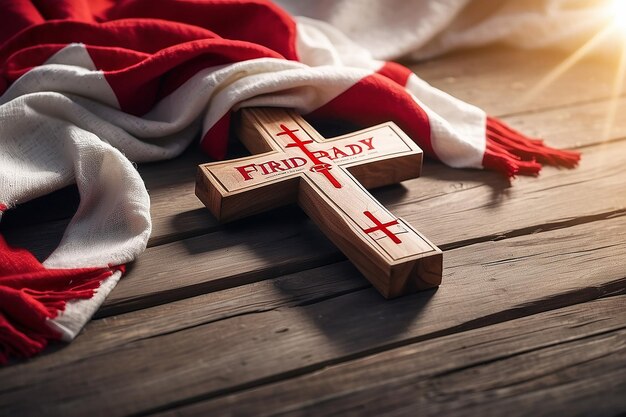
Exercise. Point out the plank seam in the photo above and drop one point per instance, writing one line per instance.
(525, 352)
(578, 103)
(123, 307)
(614, 288)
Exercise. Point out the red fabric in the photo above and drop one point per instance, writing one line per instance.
(30, 294)
(395, 72)
(392, 102)
(215, 140)
(140, 70)
(17, 15)
(257, 22)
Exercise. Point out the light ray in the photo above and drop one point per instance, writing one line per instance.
(618, 9)
(618, 85)
(560, 69)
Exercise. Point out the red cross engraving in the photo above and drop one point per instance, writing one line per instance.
(383, 227)
(318, 166)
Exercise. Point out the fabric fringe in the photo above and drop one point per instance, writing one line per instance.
(31, 294)
(512, 153)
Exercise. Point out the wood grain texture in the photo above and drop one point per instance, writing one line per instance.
(567, 361)
(213, 344)
(497, 79)
(575, 126)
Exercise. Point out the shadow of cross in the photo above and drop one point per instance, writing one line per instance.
(291, 162)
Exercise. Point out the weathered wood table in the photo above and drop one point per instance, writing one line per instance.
(264, 316)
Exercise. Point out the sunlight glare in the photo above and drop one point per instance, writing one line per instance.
(618, 86)
(569, 62)
(618, 14)
(618, 7)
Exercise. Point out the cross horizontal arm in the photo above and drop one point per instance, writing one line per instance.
(326, 178)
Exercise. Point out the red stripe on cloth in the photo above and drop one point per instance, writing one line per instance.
(395, 72)
(377, 99)
(30, 294)
(140, 86)
(115, 45)
(255, 21)
(65, 9)
(145, 58)
(26, 59)
(17, 16)
(215, 141)
(142, 35)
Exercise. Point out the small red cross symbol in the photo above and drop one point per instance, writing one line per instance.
(318, 166)
(383, 227)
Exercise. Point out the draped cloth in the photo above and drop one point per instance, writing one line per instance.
(421, 29)
(87, 88)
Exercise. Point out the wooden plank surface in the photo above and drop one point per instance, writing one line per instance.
(279, 335)
(496, 79)
(538, 365)
(211, 321)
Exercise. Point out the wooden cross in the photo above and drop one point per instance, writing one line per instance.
(291, 162)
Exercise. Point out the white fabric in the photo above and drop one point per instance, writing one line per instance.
(70, 321)
(319, 43)
(44, 150)
(420, 29)
(457, 128)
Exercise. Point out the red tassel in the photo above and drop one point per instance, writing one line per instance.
(512, 153)
(30, 295)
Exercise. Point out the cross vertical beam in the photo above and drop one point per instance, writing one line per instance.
(318, 166)
(327, 178)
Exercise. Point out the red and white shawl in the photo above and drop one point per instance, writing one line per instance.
(86, 87)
